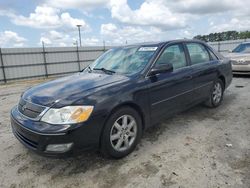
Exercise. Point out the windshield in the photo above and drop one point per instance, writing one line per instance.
(126, 60)
(242, 48)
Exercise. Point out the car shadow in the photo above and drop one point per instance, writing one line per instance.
(241, 75)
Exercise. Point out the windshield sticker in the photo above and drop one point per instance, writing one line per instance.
(145, 49)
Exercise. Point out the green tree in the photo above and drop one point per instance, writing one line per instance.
(223, 36)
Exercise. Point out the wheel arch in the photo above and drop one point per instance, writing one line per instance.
(130, 104)
(222, 78)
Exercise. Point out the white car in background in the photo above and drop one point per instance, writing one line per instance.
(240, 57)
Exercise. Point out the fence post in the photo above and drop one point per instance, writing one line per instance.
(219, 46)
(45, 61)
(104, 46)
(2, 65)
(78, 57)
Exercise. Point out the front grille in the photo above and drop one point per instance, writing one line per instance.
(241, 62)
(26, 140)
(29, 109)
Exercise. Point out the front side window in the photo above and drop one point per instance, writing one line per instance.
(174, 55)
(124, 60)
(198, 53)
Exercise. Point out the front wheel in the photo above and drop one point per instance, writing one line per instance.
(121, 133)
(216, 95)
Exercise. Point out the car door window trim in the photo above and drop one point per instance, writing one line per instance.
(208, 49)
(161, 52)
(205, 50)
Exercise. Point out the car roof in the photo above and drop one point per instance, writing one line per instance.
(159, 43)
(162, 43)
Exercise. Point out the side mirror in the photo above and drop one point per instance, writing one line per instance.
(164, 68)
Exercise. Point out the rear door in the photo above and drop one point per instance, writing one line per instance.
(170, 91)
(204, 70)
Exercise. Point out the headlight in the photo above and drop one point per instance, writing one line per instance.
(67, 115)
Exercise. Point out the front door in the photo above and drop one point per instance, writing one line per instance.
(169, 92)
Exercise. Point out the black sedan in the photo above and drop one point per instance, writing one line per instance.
(111, 102)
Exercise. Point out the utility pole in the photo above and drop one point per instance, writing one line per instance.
(79, 32)
(44, 60)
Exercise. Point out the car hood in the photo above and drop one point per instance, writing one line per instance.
(238, 56)
(70, 88)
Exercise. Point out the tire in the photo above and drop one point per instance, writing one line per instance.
(120, 138)
(216, 95)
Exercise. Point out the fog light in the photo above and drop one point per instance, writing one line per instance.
(59, 147)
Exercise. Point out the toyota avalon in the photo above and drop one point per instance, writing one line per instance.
(112, 101)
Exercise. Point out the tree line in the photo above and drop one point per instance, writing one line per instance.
(222, 36)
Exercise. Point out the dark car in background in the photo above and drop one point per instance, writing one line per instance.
(240, 57)
(125, 91)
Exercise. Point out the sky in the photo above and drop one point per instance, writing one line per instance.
(28, 23)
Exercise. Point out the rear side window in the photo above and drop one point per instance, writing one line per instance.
(198, 53)
(174, 55)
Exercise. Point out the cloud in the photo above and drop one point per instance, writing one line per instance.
(67, 20)
(8, 13)
(179, 14)
(108, 29)
(152, 20)
(118, 35)
(233, 24)
(114, 35)
(92, 41)
(45, 17)
(56, 38)
(10, 38)
(172, 6)
(203, 6)
(150, 13)
(77, 4)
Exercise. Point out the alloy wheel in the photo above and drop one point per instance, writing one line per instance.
(217, 93)
(123, 133)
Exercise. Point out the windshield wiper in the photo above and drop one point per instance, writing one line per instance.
(105, 70)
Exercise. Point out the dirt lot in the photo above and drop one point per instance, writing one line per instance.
(198, 148)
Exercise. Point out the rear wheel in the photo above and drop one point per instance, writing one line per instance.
(216, 95)
(122, 132)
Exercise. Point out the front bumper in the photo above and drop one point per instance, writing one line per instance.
(35, 135)
(241, 69)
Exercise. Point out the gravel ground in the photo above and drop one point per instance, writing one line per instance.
(201, 147)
